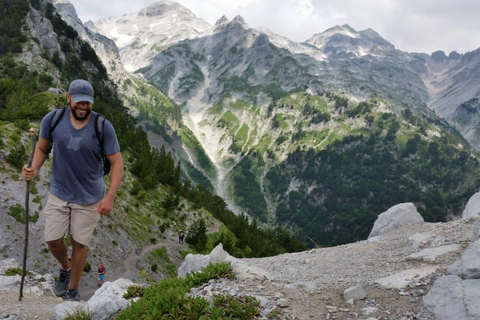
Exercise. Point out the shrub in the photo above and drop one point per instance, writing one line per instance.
(134, 291)
(22, 124)
(79, 314)
(17, 212)
(197, 235)
(169, 299)
(13, 271)
(17, 157)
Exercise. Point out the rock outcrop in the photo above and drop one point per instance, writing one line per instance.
(472, 210)
(399, 216)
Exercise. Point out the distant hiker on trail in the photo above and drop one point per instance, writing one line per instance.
(101, 274)
(77, 196)
(181, 236)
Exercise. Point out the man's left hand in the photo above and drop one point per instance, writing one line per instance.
(105, 205)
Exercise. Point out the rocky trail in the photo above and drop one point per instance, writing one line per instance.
(41, 308)
(385, 277)
(381, 278)
(129, 266)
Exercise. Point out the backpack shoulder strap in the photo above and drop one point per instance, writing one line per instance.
(99, 130)
(99, 125)
(57, 116)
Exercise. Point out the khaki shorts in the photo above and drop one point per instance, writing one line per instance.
(60, 216)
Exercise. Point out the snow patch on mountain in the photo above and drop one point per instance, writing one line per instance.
(142, 35)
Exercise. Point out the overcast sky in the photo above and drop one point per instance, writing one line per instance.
(410, 25)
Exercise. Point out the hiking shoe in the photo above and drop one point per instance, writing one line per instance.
(72, 295)
(61, 285)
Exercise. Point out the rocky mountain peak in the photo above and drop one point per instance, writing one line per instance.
(67, 10)
(162, 8)
(439, 56)
(239, 19)
(345, 39)
(454, 55)
(222, 21)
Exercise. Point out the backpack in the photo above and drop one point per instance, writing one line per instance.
(99, 124)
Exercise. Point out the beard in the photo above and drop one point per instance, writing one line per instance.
(77, 117)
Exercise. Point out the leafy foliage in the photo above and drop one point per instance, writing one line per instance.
(247, 190)
(197, 235)
(356, 178)
(169, 299)
(17, 156)
(79, 314)
(12, 15)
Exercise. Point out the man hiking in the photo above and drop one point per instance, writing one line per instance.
(181, 236)
(78, 194)
(101, 274)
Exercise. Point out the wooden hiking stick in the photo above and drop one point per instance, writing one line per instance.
(27, 216)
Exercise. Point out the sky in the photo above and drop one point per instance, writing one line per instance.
(410, 25)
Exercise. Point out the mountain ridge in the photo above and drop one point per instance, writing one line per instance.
(252, 99)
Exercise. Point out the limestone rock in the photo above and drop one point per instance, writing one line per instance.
(468, 266)
(399, 216)
(195, 262)
(108, 300)
(454, 298)
(354, 293)
(63, 310)
(473, 207)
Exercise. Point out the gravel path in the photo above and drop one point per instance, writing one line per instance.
(311, 284)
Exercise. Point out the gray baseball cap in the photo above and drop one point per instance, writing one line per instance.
(81, 90)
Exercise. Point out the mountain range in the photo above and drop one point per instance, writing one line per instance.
(331, 130)
(319, 137)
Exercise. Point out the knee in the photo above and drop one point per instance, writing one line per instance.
(77, 245)
(55, 243)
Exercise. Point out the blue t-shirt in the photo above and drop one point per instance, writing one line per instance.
(77, 171)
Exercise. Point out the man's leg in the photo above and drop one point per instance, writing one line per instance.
(60, 251)
(79, 258)
(84, 219)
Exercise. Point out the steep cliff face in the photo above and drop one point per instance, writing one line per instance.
(105, 48)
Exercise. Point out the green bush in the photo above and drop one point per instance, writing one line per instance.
(17, 212)
(197, 235)
(237, 308)
(79, 314)
(134, 291)
(169, 299)
(13, 271)
(22, 124)
(17, 157)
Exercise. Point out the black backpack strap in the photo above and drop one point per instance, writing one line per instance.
(57, 116)
(99, 124)
(99, 129)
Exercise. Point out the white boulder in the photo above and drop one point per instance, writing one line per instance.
(397, 217)
(473, 207)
